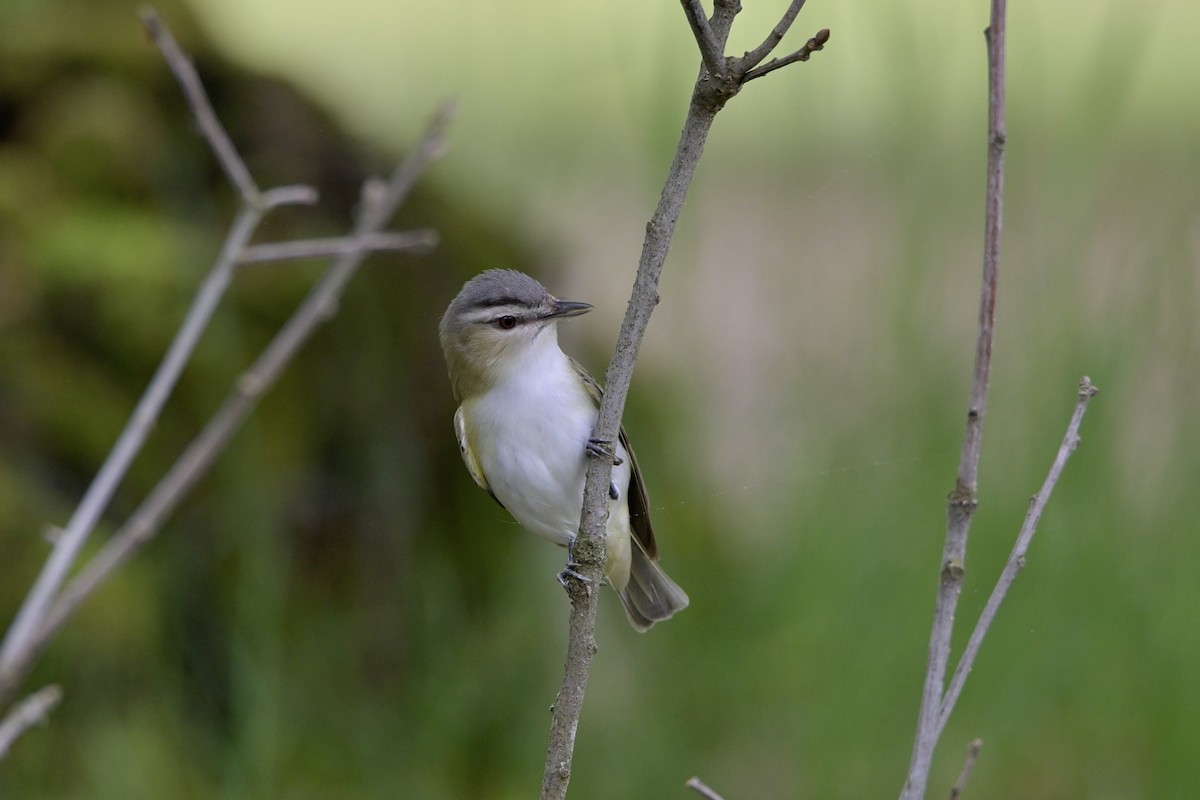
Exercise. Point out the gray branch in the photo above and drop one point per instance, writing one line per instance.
(202, 110)
(754, 57)
(1016, 559)
(380, 202)
(964, 775)
(69, 544)
(817, 42)
(47, 605)
(962, 500)
(699, 787)
(937, 702)
(706, 41)
(33, 710)
(713, 88)
(415, 241)
(255, 205)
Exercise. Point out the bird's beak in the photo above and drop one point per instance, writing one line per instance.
(567, 308)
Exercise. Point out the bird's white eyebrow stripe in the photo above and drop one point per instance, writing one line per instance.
(487, 314)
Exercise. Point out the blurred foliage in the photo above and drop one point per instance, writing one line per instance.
(337, 611)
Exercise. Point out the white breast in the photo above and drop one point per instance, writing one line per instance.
(530, 435)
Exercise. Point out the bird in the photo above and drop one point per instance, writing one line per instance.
(524, 425)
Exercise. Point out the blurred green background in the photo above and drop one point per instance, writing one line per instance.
(338, 612)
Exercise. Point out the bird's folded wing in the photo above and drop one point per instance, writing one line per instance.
(639, 504)
(468, 455)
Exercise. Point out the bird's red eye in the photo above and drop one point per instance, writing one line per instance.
(506, 323)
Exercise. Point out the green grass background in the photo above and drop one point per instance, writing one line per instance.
(338, 612)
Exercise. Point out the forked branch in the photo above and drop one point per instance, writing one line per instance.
(48, 604)
(937, 702)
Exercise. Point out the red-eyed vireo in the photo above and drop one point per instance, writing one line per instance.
(524, 424)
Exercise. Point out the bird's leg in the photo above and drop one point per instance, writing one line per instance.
(601, 449)
(597, 448)
(569, 571)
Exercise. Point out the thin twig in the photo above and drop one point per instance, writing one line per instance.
(69, 544)
(45, 608)
(962, 500)
(417, 241)
(298, 195)
(33, 710)
(817, 42)
(1016, 559)
(968, 764)
(202, 110)
(709, 95)
(706, 41)
(698, 786)
(380, 202)
(15, 653)
(754, 57)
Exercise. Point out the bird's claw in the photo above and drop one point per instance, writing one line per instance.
(602, 449)
(571, 569)
(570, 572)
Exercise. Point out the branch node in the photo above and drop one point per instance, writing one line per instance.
(963, 497)
(953, 570)
(973, 749)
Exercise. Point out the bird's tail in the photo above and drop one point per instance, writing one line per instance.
(650, 595)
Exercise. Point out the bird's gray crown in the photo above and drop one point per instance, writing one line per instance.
(494, 288)
(502, 287)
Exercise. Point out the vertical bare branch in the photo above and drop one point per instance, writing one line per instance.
(712, 90)
(962, 500)
(589, 546)
(938, 702)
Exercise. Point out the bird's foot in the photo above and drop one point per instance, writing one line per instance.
(571, 569)
(570, 572)
(602, 449)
